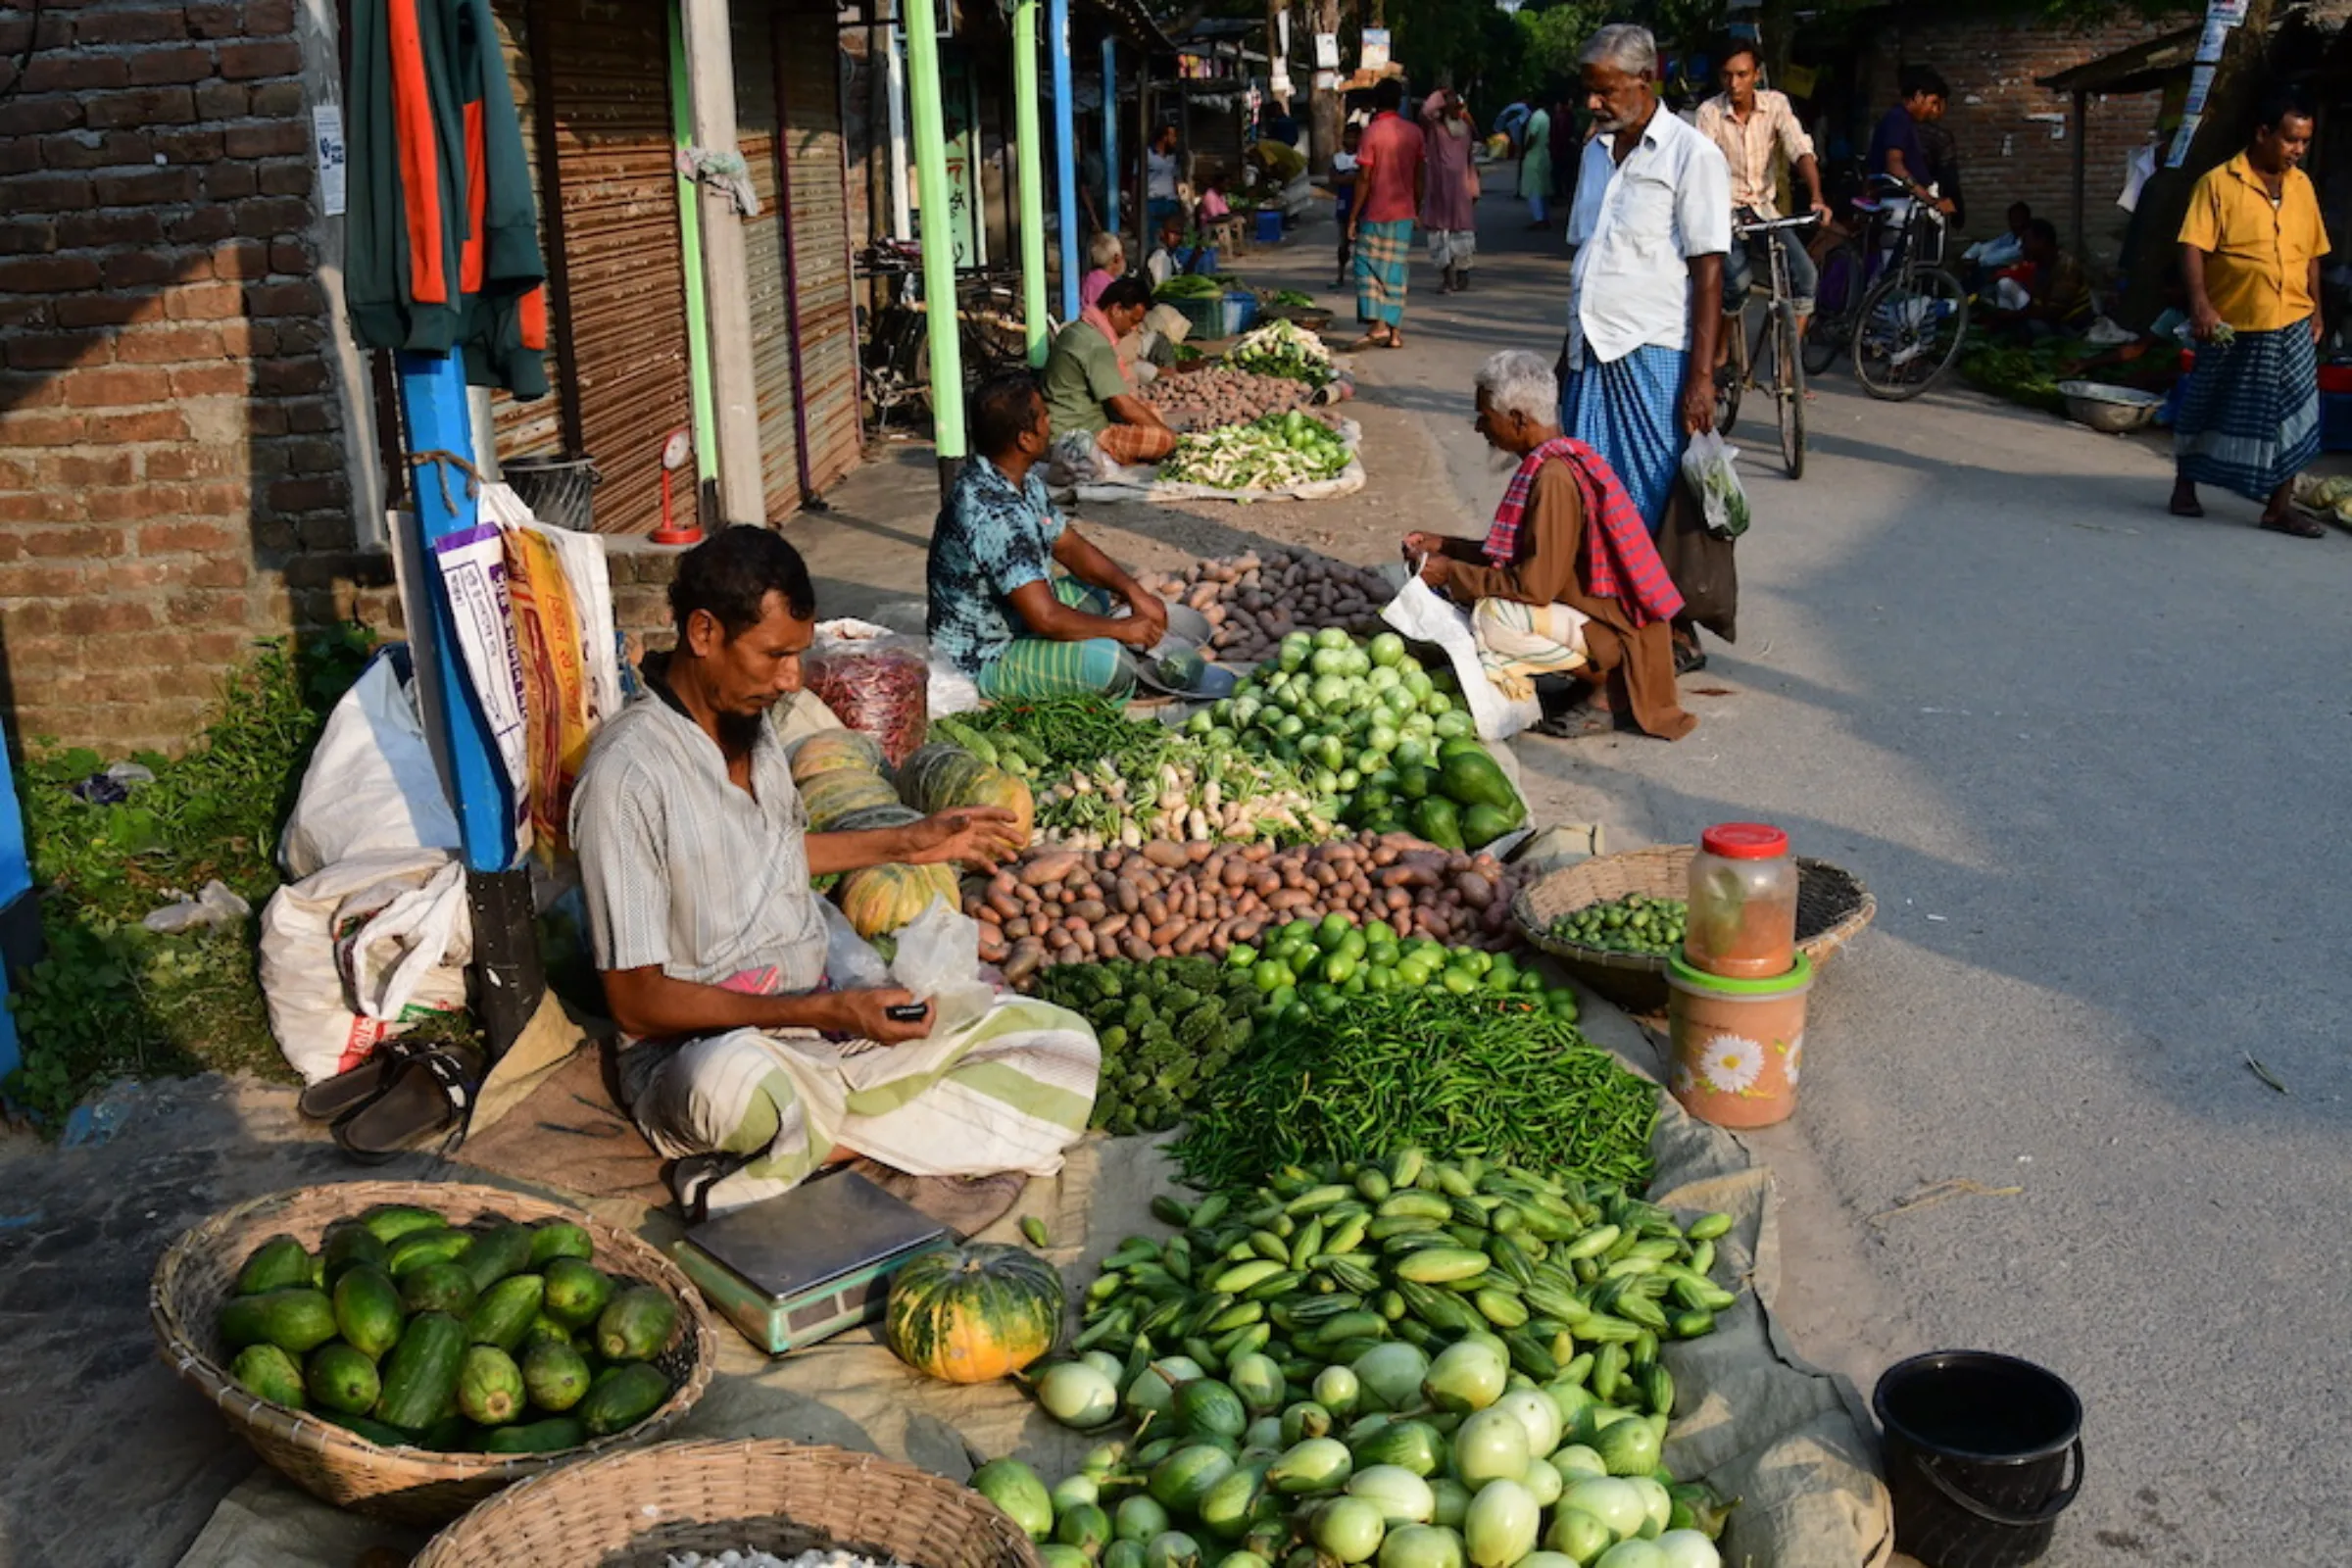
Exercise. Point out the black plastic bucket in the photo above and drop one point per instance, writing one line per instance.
(1976, 1452)
(560, 491)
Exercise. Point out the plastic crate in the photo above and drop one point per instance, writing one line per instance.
(1206, 315)
(1240, 313)
(1269, 226)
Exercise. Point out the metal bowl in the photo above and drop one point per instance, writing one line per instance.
(2113, 410)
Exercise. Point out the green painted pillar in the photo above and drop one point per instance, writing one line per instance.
(1033, 177)
(938, 225)
(690, 238)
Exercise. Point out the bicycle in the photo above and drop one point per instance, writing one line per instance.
(1905, 321)
(894, 364)
(1787, 384)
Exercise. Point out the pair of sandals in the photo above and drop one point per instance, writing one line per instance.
(402, 1098)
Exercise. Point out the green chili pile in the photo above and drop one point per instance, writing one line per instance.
(1499, 1077)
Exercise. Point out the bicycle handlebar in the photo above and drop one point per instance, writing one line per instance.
(1770, 225)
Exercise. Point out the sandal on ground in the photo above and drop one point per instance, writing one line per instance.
(1688, 657)
(428, 1095)
(2297, 527)
(348, 1091)
(1576, 723)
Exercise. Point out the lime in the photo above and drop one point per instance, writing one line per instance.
(1461, 982)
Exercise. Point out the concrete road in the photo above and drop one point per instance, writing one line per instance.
(2091, 758)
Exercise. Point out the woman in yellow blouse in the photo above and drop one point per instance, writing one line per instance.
(2250, 252)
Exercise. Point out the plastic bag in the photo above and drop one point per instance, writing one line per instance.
(370, 787)
(218, 908)
(318, 931)
(1419, 613)
(939, 960)
(1709, 466)
(875, 681)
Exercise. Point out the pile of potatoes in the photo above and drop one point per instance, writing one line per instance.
(1254, 599)
(1205, 399)
(1169, 899)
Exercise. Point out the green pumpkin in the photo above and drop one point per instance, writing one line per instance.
(973, 1313)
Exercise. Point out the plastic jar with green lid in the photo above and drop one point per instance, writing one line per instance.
(1743, 902)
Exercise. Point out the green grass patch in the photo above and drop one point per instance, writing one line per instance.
(111, 999)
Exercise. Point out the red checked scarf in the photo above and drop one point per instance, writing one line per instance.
(1621, 562)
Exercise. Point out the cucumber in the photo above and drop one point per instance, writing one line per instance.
(420, 1376)
(376, 1431)
(297, 1321)
(492, 1257)
(420, 1248)
(560, 1238)
(438, 1287)
(267, 1372)
(1439, 1265)
(350, 1244)
(551, 1435)
(279, 1263)
(489, 1385)
(505, 1312)
(576, 1293)
(555, 1376)
(636, 1324)
(389, 1222)
(623, 1398)
(342, 1379)
(367, 1310)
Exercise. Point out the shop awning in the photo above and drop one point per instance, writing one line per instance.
(2142, 68)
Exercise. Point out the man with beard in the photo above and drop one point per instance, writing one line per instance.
(1651, 225)
(747, 1053)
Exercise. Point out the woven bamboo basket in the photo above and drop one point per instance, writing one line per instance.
(415, 1485)
(1832, 906)
(633, 1510)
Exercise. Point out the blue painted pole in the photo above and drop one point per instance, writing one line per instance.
(1111, 133)
(15, 882)
(1065, 154)
(432, 401)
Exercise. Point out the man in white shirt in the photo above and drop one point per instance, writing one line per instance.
(1651, 225)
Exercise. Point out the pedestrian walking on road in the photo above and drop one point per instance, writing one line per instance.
(1448, 211)
(1390, 171)
(2250, 250)
(1651, 227)
(1535, 170)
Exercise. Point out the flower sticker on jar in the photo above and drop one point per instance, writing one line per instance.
(1732, 1064)
(1794, 1053)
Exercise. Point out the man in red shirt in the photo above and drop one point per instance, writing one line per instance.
(1390, 172)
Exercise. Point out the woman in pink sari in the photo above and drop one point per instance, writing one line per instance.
(1447, 215)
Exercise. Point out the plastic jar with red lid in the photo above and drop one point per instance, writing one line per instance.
(1743, 902)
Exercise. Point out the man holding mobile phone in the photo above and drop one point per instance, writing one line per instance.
(696, 862)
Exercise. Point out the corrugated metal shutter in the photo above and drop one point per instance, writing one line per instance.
(763, 240)
(533, 428)
(808, 43)
(623, 259)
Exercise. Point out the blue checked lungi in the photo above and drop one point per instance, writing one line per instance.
(1630, 412)
(1383, 258)
(2249, 417)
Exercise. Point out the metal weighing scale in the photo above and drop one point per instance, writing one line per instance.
(803, 1267)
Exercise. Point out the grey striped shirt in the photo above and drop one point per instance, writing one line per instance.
(683, 869)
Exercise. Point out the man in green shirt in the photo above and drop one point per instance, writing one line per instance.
(1087, 390)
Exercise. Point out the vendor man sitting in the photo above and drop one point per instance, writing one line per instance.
(1567, 582)
(1087, 389)
(1000, 611)
(742, 1056)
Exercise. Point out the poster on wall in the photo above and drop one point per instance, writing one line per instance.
(1376, 49)
(1327, 51)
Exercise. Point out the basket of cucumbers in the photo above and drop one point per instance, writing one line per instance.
(405, 1348)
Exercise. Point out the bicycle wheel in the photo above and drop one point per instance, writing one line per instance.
(1731, 376)
(1836, 297)
(1910, 331)
(1789, 386)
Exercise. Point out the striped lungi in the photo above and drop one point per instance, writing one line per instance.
(2249, 417)
(1630, 412)
(1009, 1091)
(1037, 666)
(1384, 263)
(1517, 642)
(1131, 444)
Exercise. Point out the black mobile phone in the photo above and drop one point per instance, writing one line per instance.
(907, 1012)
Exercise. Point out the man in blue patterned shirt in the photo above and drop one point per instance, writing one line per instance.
(1000, 612)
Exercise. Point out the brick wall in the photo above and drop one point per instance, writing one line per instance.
(174, 478)
(2005, 155)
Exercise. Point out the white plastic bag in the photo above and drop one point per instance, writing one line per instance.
(939, 961)
(370, 787)
(1710, 467)
(1419, 613)
(312, 928)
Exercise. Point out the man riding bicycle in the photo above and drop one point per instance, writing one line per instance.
(1749, 123)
